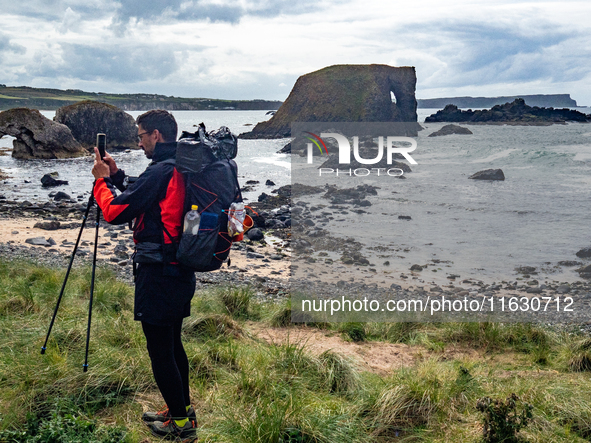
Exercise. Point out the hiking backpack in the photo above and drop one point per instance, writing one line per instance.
(206, 163)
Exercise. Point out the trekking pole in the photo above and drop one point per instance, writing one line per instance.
(98, 220)
(88, 206)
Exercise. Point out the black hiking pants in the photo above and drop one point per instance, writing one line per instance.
(169, 365)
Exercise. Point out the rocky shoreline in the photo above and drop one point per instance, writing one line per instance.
(45, 232)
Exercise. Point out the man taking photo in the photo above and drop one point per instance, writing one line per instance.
(163, 289)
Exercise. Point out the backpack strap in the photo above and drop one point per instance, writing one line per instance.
(168, 161)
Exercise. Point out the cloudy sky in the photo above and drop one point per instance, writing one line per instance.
(249, 49)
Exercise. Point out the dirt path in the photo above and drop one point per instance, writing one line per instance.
(377, 357)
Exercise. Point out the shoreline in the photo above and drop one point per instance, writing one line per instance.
(249, 263)
(265, 263)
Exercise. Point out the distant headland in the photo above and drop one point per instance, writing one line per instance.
(52, 99)
(540, 100)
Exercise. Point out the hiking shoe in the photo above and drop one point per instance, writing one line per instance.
(164, 415)
(169, 430)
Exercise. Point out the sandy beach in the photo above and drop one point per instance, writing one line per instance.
(15, 231)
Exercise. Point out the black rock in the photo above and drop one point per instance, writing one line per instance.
(259, 220)
(525, 270)
(263, 197)
(275, 224)
(255, 234)
(569, 263)
(404, 217)
(488, 174)
(120, 252)
(584, 253)
(61, 196)
(285, 150)
(49, 180)
(269, 183)
(37, 241)
(48, 226)
(283, 190)
(585, 271)
(451, 129)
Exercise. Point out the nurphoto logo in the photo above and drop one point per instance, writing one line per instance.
(345, 148)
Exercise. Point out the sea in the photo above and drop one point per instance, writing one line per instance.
(539, 216)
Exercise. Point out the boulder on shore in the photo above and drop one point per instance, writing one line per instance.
(451, 129)
(87, 118)
(488, 174)
(346, 93)
(37, 136)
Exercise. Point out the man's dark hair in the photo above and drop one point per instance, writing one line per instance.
(159, 119)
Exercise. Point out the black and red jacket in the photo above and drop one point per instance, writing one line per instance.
(154, 201)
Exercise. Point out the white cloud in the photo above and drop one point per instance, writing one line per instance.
(218, 47)
(71, 21)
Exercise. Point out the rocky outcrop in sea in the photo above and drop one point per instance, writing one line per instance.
(346, 93)
(451, 129)
(87, 118)
(37, 136)
(516, 112)
(488, 174)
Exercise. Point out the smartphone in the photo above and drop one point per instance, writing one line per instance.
(101, 143)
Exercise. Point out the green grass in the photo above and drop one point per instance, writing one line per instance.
(245, 390)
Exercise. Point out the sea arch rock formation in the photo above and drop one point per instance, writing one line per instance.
(346, 93)
(36, 136)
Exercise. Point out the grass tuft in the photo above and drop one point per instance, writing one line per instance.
(236, 300)
(211, 326)
(354, 331)
(580, 356)
(281, 318)
(399, 409)
(341, 374)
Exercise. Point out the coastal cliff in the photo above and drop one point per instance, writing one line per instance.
(51, 99)
(346, 93)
